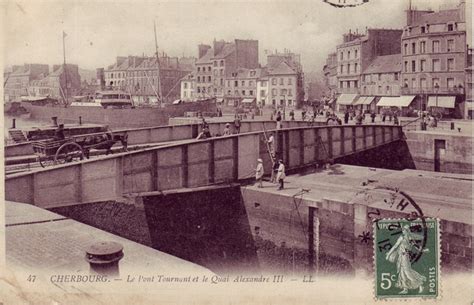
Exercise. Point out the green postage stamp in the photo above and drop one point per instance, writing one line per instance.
(407, 258)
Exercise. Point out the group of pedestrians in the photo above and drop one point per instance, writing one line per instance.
(278, 174)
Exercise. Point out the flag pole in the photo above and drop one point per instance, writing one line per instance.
(157, 67)
(64, 68)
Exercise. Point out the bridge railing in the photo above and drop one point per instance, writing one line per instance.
(192, 164)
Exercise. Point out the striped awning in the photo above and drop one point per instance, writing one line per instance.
(248, 100)
(396, 101)
(441, 101)
(346, 99)
(365, 100)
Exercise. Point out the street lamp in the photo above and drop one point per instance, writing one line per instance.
(436, 88)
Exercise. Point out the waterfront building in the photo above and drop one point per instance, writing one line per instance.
(469, 107)
(381, 78)
(262, 89)
(138, 76)
(61, 82)
(188, 88)
(434, 58)
(241, 87)
(219, 62)
(330, 75)
(355, 54)
(286, 80)
(17, 81)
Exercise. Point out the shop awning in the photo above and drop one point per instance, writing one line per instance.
(248, 100)
(346, 99)
(396, 101)
(441, 101)
(365, 100)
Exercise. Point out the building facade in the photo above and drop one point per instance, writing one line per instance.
(138, 76)
(188, 88)
(330, 75)
(434, 55)
(18, 80)
(382, 76)
(221, 61)
(62, 82)
(357, 51)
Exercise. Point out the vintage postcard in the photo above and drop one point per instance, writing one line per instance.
(236, 152)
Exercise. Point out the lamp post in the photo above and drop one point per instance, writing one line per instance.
(436, 88)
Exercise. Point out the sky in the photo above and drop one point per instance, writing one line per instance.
(98, 31)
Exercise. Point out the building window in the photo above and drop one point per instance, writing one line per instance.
(406, 66)
(274, 80)
(274, 92)
(348, 68)
(380, 89)
(423, 83)
(413, 82)
(355, 67)
(185, 85)
(222, 63)
(222, 82)
(289, 81)
(281, 80)
(251, 92)
(209, 79)
(215, 72)
(215, 64)
(356, 84)
(435, 46)
(262, 93)
(209, 69)
(434, 82)
(355, 54)
(199, 69)
(450, 82)
(236, 83)
(423, 47)
(450, 27)
(236, 93)
(342, 56)
(450, 64)
(450, 45)
(422, 65)
(348, 84)
(395, 76)
(251, 83)
(289, 92)
(413, 66)
(348, 54)
(342, 68)
(413, 48)
(282, 91)
(423, 29)
(379, 76)
(405, 49)
(198, 89)
(341, 85)
(436, 65)
(387, 90)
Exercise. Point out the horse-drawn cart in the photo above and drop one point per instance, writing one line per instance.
(59, 151)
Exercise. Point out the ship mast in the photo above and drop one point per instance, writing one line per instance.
(64, 68)
(158, 93)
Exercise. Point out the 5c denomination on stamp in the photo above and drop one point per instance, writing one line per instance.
(406, 258)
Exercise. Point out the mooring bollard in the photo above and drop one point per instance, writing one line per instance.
(104, 257)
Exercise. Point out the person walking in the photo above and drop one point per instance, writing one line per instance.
(271, 144)
(281, 175)
(372, 116)
(278, 120)
(259, 173)
(346, 117)
(292, 115)
(237, 123)
(395, 119)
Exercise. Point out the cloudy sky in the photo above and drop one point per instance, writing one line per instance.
(98, 31)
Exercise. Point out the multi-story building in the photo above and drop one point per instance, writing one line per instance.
(188, 88)
(330, 75)
(469, 105)
(262, 89)
(138, 75)
(218, 62)
(381, 78)
(356, 53)
(18, 80)
(286, 80)
(62, 82)
(434, 57)
(241, 86)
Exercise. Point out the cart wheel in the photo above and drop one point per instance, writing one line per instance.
(46, 161)
(68, 152)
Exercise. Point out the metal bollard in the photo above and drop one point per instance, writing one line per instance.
(104, 257)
